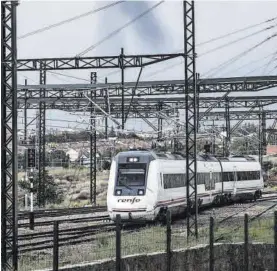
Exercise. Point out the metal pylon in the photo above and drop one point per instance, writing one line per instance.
(191, 118)
(41, 140)
(92, 136)
(9, 229)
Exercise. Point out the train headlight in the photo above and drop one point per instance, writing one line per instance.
(140, 192)
(118, 192)
(133, 159)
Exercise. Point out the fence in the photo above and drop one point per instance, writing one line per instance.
(219, 244)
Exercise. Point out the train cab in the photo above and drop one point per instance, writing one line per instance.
(129, 183)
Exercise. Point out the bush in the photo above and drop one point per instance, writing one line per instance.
(106, 165)
(52, 193)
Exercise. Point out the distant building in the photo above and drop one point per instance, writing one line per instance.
(73, 155)
(271, 149)
(84, 158)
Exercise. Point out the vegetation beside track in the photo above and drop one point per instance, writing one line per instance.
(147, 240)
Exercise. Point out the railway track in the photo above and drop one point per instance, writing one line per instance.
(77, 235)
(66, 220)
(41, 213)
(44, 240)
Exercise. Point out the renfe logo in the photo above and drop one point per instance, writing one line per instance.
(129, 200)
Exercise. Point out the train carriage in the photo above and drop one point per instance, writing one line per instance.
(143, 184)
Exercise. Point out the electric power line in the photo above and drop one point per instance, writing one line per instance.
(68, 20)
(237, 40)
(224, 45)
(202, 43)
(235, 58)
(237, 31)
(274, 57)
(250, 63)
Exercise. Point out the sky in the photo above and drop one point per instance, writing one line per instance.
(159, 31)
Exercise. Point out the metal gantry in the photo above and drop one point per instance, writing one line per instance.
(228, 129)
(106, 109)
(240, 115)
(160, 121)
(93, 142)
(262, 135)
(165, 87)
(190, 122)
(98, 62)
(9, 229)
(41, 140)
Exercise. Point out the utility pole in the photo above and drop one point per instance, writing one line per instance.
(93, 149)
(191, 118)
(9, 167)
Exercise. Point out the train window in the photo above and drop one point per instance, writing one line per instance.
(174, 180)
(228, 176)
(179, 180)
(205, 178)
(201, 178)
(131, 174)
(248, 175)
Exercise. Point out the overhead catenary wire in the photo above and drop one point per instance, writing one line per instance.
(199, 44)
(257, 68)
(221, 46)
(69, 76)
(274, 68)
(237, 31)
(43, 29)
(238, 56)
(274, 57)
(119, 29)
(237, 40)
(249, 63)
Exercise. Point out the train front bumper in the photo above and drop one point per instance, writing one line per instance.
(132, 215)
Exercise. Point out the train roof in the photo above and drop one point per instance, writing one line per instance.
(159, 155)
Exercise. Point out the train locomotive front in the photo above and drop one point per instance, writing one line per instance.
(144, 184)
(129, 191)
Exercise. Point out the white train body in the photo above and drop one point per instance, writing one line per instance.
(143, 184)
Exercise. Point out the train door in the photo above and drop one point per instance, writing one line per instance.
(212, 184)
(212, 180)
(235, 181)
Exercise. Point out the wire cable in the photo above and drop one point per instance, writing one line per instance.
(118, 30)
(274, 57)
(221, 46)
(250, 63)
(235, 58)
(69, 20)
(237, 31)
(257, 68)
(237, 40)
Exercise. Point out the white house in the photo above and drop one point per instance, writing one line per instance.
(73, 155)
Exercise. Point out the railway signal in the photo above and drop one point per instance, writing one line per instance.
(31, 158)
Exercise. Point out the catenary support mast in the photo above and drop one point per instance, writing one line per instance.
(191, 114)
(92, 135)
(9, 229)
(41, 140)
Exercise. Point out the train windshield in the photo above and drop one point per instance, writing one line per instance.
(131, 175)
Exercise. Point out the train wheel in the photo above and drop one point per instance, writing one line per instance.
(217, 200)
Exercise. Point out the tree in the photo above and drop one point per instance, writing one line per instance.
(52, 193)
(106, 165)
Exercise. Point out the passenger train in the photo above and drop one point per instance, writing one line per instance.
(143, 184)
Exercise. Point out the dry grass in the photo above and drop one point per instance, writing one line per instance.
(146, 240)
(103, 247)
(73, 181)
